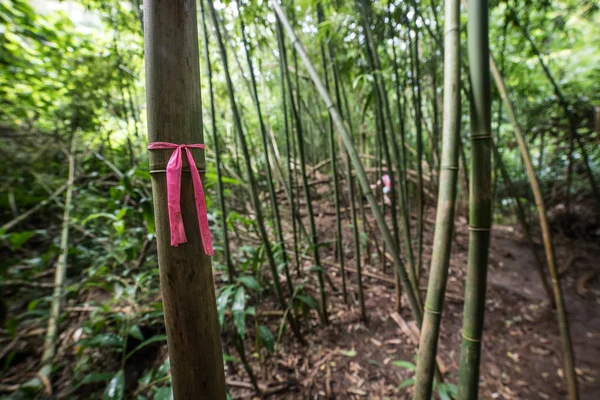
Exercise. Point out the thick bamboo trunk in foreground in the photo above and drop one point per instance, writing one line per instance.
(175, 115)
(444, 224)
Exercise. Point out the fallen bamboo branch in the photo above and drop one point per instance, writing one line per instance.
(43, 377)
(11, 224)
(25, 282)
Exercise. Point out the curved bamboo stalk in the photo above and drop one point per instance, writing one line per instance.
(525, 225)
(561, 312)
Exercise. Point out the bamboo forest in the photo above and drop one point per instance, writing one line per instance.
(300, 199)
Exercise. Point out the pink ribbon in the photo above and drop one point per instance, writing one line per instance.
(174, 168)
(386, 181)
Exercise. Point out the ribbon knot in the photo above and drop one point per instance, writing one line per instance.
(174, 169)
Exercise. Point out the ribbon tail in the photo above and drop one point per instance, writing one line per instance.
(174, 199)
(200, 206)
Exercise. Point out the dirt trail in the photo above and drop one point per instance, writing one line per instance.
(521, 349)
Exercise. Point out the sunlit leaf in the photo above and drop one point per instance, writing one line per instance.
(266, 337)
(238, 310)
(115, 390)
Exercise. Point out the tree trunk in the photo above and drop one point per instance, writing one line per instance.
(175, 115)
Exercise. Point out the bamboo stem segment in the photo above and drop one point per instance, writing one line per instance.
(175, 115)
(444, 225)
(480, 201)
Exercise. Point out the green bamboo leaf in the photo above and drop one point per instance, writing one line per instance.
(135, 332)
(405, 364)
(308, 300)
(222, 302)
(94, 377)
(316, 268)
(18, 239)
(96, 216)
(266, 337)
(116, 387)
(406, 383)
(163, 393)
(238, 309)
(446, 391)
(104, 340)
(250, 282)
(153, 339)
(348, 353)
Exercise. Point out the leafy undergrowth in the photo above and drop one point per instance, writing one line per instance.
(112, 342)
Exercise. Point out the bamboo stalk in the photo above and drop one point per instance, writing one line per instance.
(288, 154)
(384, 114)
(14, 222)
(263, 132)
(525, 225)
(413, 297)
(305, 184)
(213, 122)
(561, 312)
(480, 204)
(416, 86)
(351, 192)
(444, 227)
(250, 176)
(175, 115)
(59, 273)
(336, 186)
(402, 167)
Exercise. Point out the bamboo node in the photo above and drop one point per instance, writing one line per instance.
(162, 171)
(481, 137)
(450, 167)
(453, 29)
(430, 311)
(468, 339)
(476, 229)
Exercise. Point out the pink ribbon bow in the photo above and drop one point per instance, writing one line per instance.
(174, 168)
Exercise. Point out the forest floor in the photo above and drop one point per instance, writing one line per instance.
(522, 356)
(348, 359)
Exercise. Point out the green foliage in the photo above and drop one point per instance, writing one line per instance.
(445, 391)
(115, 390)
(77, 68)
(266, 338)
